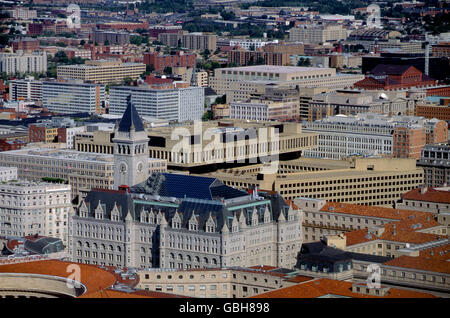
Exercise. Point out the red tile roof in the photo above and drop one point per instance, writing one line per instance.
(420, 263)
(93, 277)
(325, 286)
(431, 195)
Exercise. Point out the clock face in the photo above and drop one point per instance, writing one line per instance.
(123, 167)
(140, 167)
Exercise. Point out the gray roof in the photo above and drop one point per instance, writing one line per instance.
(130, 118)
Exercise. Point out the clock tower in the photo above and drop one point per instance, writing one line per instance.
(131, 157)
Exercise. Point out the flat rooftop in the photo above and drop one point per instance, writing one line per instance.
(275, 69)
(62, 154)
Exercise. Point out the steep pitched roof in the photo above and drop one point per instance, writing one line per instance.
(130, 118)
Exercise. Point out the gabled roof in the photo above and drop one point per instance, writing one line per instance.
(390, 69)
(130, 118)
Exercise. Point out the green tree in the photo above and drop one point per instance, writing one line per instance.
(82, 42)
(208, 115)
(61, 57)
(127, 81)
(167, 70)
(106, 43)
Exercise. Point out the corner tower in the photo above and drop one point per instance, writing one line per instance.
(131, 158)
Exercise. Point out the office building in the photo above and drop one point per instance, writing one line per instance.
(435, 161)
(193, 41)
(27, 89)
(30, 208)
(175, 104)
(374, 181)
(322, 219)
(81, 170)
(317, 34)
(164, 223)
(102, 71)
(239, 82)
(25, 44)
(236, 142)
(21, 62)
(236, 282)
(160, 61)
(268, 110)
(73, 96)
(352, 102)
(433, 200)
(8, 173)
(369, 134)
(22, 13)
(111, 37)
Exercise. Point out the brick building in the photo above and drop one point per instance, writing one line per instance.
(408, 142)
(388, 77)
(25, 44)
(159, 61)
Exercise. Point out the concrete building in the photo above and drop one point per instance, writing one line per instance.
(238, 82)
(261, 111)
(434, 200)
(317, 34)
(217, 283)
(102, 71)
(81, 170)
(435, 161)
(21, 62)
(8, 173)
(352, 102)
(163, 223)
(175, 104)
(27, 89)
(370, 134)
(375, 181)
(193, 41)
(29, 208)
(22, 13)
(322, 219)
(113, 37)
(235, 142)
(73, 96)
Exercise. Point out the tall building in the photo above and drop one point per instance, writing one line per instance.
(25, 44)
(369, 134)
(130, 149)
(21, 62)
(73, 96)
(113, 37)
(102, 71)
(23, 13)
(317, 34)
(193, 41)
(29, 208)
(160, 62)
(27, 89)
(177, 104)
(184, 222)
